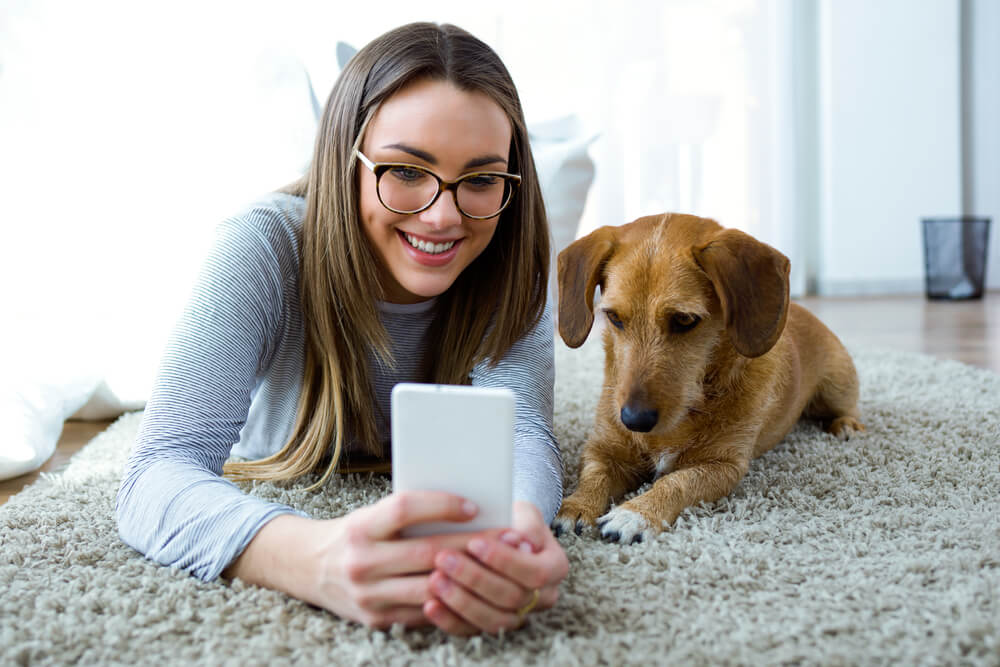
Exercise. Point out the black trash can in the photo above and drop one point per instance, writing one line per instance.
(955, 251)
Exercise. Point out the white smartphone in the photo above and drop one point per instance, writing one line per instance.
(458, 439)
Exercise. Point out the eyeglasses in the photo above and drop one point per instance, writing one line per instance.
(409, 188)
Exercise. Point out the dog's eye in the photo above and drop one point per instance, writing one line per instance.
(681, 322)
(613, 318)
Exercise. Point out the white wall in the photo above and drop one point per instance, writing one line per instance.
(981, 122)
(890, 138)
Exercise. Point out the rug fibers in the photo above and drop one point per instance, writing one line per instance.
(883, 549)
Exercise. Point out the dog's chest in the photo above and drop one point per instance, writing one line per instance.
(665, 463)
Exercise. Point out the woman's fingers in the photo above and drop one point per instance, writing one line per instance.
(524, 568)
(488, 585)
(383, 594)
(439, 614)
(539, 567)
(398, 557)
(529, 524)
(390, 515)
(381, 603)
(528, 554)
(471, 608)
(411, 617)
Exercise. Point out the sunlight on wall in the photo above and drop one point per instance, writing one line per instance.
(675, 90)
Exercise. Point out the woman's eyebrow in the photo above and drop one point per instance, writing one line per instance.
(430, 159)
(415, 152)
(484, 160)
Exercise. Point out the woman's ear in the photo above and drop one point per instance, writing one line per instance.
(751, 280)
(581, 270)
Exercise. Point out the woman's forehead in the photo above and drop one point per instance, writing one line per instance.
(441, 120)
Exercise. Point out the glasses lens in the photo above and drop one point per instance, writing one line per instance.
(406, 189)
(483, 195)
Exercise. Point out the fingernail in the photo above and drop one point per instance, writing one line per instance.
(441, 585)
(477, 547)
(470, 508)
(449, 563)
(510, 539)
(526, 547)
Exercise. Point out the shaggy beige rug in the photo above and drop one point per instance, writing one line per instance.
(884, 549)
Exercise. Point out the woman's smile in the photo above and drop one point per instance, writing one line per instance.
(430, 251)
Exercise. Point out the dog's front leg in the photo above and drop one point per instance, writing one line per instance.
(603, 477)
(691, 483)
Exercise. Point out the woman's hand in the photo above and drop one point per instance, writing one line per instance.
(491, 585)
(357, 566)
(370, 574)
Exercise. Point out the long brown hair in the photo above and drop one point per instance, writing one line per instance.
(493, 302)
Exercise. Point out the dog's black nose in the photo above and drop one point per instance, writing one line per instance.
(642, 421)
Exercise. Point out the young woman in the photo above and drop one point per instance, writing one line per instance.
(415, 249)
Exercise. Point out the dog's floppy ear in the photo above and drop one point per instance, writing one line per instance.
(581, 270)
(751, 279)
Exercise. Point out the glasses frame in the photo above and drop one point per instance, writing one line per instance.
(379, 168)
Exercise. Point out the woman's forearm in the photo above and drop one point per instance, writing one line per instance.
(282, 557)
(178, 513)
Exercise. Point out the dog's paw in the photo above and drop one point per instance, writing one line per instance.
(564, 524)
(623, 525)
(844, 427)
(574, 515)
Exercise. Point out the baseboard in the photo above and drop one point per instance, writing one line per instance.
(869, 287)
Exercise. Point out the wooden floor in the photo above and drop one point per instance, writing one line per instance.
(74, 436)
(967, 331)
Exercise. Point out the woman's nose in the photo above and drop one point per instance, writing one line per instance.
(443, 213)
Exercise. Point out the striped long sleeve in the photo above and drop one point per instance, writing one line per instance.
(230, 380)
(173, 505)
(529, 370)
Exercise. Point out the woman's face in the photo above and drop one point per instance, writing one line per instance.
(452, 132)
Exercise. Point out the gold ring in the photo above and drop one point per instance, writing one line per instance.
(531, 604)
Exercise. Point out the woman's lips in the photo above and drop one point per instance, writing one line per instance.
(427, 257)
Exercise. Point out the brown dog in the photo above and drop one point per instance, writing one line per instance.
(707, 366)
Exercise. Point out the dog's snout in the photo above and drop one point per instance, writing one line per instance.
(639, 418)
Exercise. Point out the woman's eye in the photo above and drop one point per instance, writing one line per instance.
(613, 318)
(407, 174)
(681, 322)
(482, 181)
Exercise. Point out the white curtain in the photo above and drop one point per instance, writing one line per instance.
(696, 105)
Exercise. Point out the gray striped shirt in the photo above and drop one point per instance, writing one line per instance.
(229, 383)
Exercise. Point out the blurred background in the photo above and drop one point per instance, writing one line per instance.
(827, 128)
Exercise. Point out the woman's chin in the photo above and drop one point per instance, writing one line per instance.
(414, 289)
(423, 291)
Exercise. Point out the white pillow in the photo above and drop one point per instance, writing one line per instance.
(37, 393)
(95, 239)
(565, 174)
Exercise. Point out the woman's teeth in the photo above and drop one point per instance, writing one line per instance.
(429, 248)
